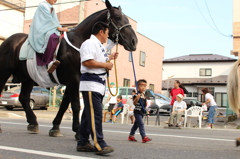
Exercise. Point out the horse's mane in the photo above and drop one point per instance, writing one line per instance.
(85, 21)
(89, 18)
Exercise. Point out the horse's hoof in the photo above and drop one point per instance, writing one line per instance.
(55, 133)
(237, 142)
(33, 128)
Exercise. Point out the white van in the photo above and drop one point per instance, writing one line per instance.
(126, 93)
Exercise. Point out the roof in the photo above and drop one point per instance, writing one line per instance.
(199, 58)
(218, 80)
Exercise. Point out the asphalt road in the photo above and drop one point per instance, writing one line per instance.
(17, 143)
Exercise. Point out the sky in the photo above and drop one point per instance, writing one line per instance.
(179, 26)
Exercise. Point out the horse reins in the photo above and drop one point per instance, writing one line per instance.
(116, 33)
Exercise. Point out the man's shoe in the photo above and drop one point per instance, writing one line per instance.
(87, 148)
(146, 139)
(53, 66)
(105, 150)
(132, 138)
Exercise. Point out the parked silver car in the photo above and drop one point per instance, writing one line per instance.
(39, 98)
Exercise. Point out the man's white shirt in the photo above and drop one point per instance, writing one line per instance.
(92, 49)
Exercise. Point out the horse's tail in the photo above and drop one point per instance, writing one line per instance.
(232, 88)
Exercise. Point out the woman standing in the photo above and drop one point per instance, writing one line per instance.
(210, 102)
(176, 90)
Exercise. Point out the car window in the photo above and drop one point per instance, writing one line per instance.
(14, 89)
(45, 91)
(149, 93)
(193, 102)
(122, 91)
(125, 91)
(36, 90)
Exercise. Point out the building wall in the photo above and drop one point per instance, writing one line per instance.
(11, 22)
(191, 70)
(236, 27)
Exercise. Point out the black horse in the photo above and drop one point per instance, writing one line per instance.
(68, 72)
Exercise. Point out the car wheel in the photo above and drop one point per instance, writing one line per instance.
(32, 104)
(9, 108)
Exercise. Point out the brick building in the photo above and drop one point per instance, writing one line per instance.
(148, 56)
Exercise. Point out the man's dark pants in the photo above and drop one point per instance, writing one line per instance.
(91, 122)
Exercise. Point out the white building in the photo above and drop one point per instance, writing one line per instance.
(197, 71)
(11, 17)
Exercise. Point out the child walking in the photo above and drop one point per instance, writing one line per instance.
(138, 112)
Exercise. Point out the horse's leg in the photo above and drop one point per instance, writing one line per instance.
(55, 131)
(24, 98)
(75, 104)
(71, 94)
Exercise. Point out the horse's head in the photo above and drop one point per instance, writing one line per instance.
(119, 28)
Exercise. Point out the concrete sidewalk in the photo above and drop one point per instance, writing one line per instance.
(51, 113)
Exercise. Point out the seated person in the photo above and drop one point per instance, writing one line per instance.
(179, 107)
(119, 109)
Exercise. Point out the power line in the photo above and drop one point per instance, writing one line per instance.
(37, 5)
(217, 31)
(214, 22)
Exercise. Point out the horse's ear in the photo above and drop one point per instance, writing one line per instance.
(120, 9)
(108, 5)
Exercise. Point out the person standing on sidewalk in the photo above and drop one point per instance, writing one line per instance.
(210, 102)
(94, 67)
(139, 99)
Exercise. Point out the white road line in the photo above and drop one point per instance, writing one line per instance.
(15, 115)
(43, 153)
(176, 136)
(125, 132)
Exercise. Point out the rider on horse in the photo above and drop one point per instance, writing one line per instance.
(44, 34)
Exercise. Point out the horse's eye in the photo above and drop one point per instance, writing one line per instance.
(118, 18)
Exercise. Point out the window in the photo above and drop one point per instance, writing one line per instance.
(142, 58)
(195, 94)
(205, 72)
(189, 94)
(151, 86)
(221, 99)
(126, 82)
(130, 57)
(125, 91)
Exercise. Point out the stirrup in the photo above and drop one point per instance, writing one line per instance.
(53, 66)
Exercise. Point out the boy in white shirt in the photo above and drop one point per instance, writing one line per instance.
(179, 107)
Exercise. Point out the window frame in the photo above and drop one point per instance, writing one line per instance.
(205, 71)
(126, 80)
(141, 61)
(152, 86)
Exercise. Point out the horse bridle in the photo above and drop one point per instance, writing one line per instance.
(117, 29)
